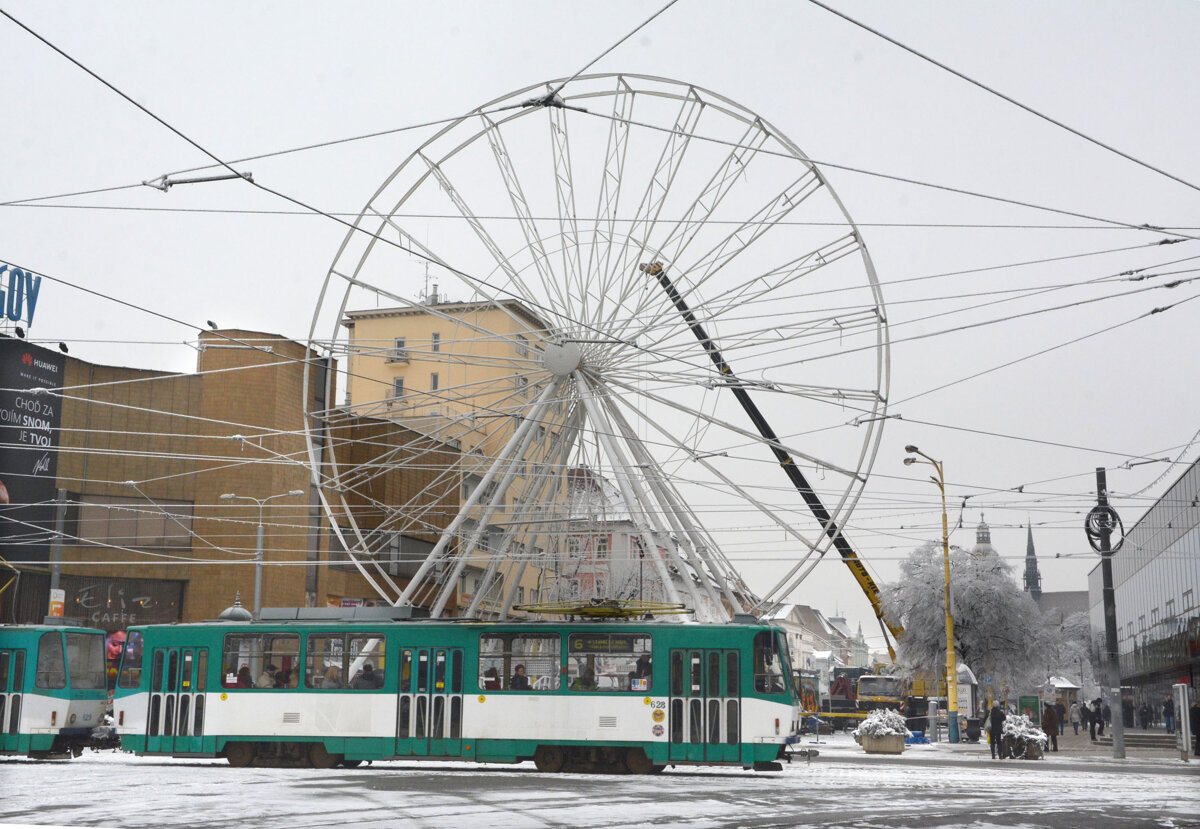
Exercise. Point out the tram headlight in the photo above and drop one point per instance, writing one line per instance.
(54, 718)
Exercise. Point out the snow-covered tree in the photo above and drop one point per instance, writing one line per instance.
(997, 627)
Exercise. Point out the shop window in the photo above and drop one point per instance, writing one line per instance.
(261, 660)
(345, 660)
(609, 662)
(537, 655)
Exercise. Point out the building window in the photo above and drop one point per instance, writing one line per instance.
(398, 387)
(522, 346)
(399, 350)
(135, 522)
(602, 546)
(433, 381)
(1154, 618)
(1141, 624)
(1188, 603)
(1170, 609)
(435, 343)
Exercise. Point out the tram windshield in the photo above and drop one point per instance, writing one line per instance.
(86, 661)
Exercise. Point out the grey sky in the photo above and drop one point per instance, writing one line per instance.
(243, 79)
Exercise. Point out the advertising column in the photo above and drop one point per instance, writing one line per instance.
(29, 424)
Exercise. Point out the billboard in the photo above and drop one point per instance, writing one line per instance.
(29, 424)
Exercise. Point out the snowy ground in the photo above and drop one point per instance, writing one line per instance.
(936, 785)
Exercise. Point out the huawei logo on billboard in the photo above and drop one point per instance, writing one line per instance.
(27, 358)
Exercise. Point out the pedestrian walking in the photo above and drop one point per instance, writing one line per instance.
(1144, 716)
(1090, 713)
(996, 727)
(1061, 711)
(1050, 725)
(1168, 710)
(1194, 717)
(1075, 717)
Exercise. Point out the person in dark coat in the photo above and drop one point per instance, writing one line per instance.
(1194, 718)
(1093, 714)
(1061, 711)
(1050, 725)
(1144, 716)
(1169, 715)
(995, 728)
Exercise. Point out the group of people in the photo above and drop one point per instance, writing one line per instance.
(271, 677)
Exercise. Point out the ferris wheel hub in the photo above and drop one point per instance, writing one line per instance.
(562, 358)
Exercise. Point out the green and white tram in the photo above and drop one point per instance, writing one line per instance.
(303, 687)
(52, 689)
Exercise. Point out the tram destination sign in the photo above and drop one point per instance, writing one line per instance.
(604, 642)
(29, 426)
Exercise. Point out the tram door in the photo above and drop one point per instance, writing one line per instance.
(177, 682)
(429, 708)
(705, 709)
(12, 678)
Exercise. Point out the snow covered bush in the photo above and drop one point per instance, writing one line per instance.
(882, 722)
(1020, 728)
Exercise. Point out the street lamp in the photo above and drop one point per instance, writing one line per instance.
(951, 664)
(258, 552)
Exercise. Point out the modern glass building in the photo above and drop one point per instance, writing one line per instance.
(1156, 575)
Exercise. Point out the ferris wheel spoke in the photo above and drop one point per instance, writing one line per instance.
(663, 176)
(568, 224)
(739, 240)
(611, 178)
(533, 238)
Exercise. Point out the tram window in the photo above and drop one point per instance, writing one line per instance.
(731, 722)
(4, 673)
(270, 660)
(85, 660)
(456, 671)
(340, 660)
(51, 666)
(201, 674)
(677, 674)
(733, 675)
(422, 673)
(173, 672)
(406, 659)
(18, 680)
(198, 730)
(131, 661)
(768, 672)
(697, 674)
(156, 672)
(539, 655)
(609, 662)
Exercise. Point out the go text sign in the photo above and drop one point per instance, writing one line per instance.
(19, 290)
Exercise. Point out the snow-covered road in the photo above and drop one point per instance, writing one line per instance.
(928, 786)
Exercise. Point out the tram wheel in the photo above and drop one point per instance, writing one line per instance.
(549, 759)
(239, 755)
(320, 757)
(638, 763)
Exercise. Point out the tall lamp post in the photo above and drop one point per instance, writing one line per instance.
(258, 551)
(951, 662)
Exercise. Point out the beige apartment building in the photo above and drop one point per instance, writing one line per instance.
(465, 373)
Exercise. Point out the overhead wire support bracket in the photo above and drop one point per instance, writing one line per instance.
(164, 183)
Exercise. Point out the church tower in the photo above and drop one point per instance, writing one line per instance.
(1033, 579)
(983, 539)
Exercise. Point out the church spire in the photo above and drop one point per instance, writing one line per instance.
(1033, 579)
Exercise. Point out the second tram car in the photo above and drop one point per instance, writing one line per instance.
(628, 695)
(53, 689)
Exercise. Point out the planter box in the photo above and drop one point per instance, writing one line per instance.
(891, 744)
(1020, 749)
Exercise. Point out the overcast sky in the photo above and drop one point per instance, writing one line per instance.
(247, 79)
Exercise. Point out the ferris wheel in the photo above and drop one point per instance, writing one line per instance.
(542, 335)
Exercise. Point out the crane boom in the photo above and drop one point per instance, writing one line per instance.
(851, 559)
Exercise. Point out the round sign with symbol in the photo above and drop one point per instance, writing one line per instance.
(658, 730)
(658, 715)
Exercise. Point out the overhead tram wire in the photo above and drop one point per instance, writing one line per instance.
(901, 179)
(1004, 97)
